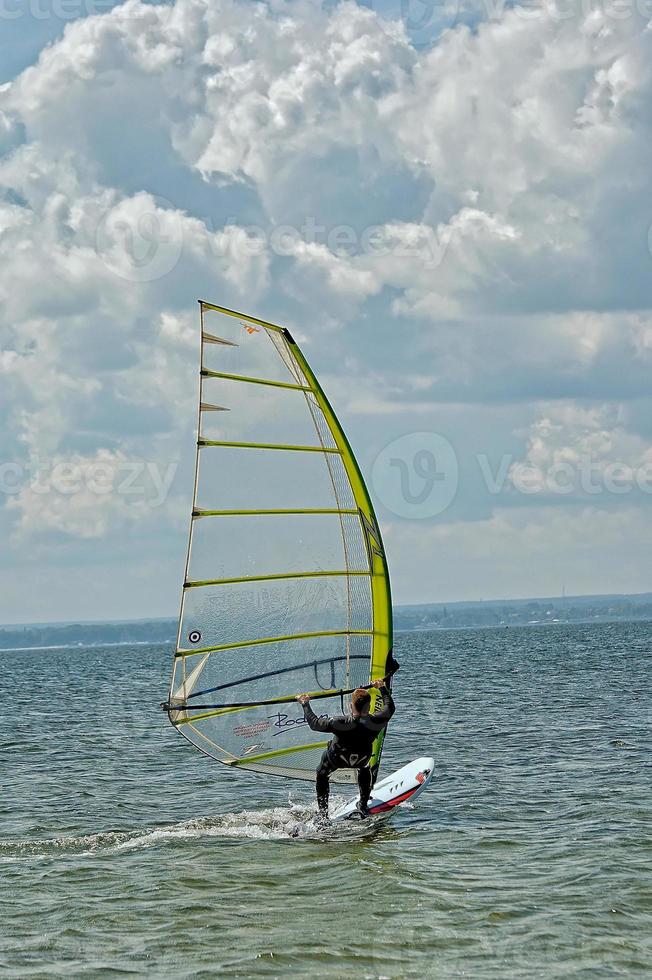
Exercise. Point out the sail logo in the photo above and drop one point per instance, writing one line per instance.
(284, 723)
(249, 327)
(249, 731)
(372, 536)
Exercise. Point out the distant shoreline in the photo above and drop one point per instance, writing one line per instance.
(505, 626)
(562, 611)
(84, 646)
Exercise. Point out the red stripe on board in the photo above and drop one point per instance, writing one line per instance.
(390, 803)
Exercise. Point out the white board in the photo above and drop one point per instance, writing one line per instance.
(405, 784)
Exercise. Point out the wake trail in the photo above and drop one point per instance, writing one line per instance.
(296, 821)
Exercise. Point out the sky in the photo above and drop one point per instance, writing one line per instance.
(449, 204)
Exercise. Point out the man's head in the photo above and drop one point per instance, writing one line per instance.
(360, 702)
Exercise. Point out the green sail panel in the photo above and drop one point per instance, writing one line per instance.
(286, 587)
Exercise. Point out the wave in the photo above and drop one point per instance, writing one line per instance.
(296, 821)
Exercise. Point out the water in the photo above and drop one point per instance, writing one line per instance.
(124, 851)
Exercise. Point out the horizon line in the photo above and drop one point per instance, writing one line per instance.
(395, 605)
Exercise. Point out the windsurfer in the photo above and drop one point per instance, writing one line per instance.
(355, 734)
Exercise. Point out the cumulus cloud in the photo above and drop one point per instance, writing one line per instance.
(87, 496)
(584, 451)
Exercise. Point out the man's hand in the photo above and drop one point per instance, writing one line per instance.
(382, 682)
(303, 698)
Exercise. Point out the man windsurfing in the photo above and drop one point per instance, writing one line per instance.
(352, 747)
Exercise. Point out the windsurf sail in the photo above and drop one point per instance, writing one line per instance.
(286, 586)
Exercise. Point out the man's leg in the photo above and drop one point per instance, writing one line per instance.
(322, 784)
(364, 785)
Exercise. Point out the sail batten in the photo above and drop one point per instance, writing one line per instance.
(283, 447)
(286, 512)
(324, 573)
(253, 381)
(277, 753)
(287, 589)
(273, 639)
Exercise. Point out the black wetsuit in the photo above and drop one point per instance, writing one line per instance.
(352, 746)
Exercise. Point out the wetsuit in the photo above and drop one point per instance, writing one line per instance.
(352, 746)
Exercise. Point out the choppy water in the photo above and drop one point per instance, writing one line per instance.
(124, 851)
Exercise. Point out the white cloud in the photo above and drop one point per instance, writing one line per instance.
(89, 496)
(580, 450)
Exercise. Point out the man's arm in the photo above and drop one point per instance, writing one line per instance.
(387, 706)
(323, 724)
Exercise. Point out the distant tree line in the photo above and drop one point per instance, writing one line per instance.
(522, 612)
(88, 634)
(510, 612)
